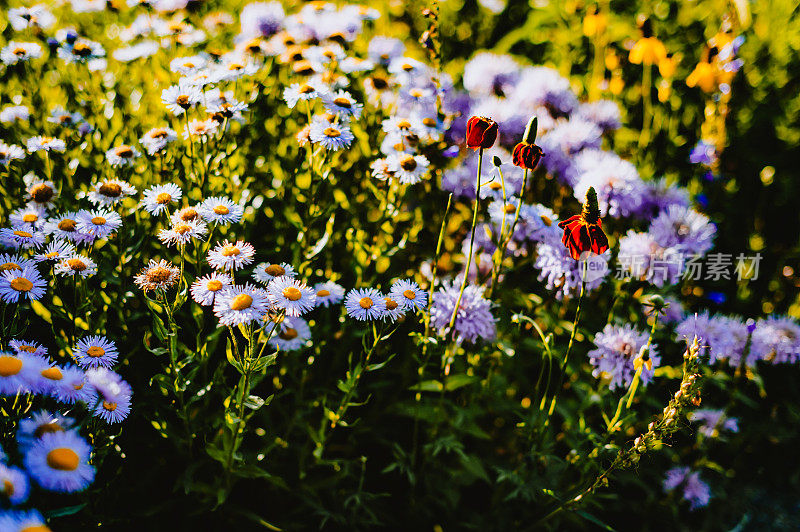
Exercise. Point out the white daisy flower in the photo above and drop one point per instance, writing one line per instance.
(182, 233)
(157, 139)
(22, 236)
(16, 52)
(158, 198)
(409, 169)
(42, 193)
(200, 128)
(55, 251)
(231, 256)
(206, 288)
(109, 192)
(291, 295)
(220, 210)
(328, 293)
(293, 334)
(99, 224)
(42, 143)
(32, 214)
(76, 265)
(303, 92)
(266, 271)
(178, 98)
(122, 155)
(10, 152)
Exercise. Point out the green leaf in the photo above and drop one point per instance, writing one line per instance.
(457, 381)
(427, 386)
(254, 402)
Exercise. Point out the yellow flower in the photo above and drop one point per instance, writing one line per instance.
(594, 24)
(616, 85)
(703, 76)
(666, 67)
(664, 91)
(648, 51)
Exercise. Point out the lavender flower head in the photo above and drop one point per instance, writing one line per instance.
(685, 229)
(474, 318)
(491, 74)
(641, 257)
(564, 142)
(604, 113)
(620, 191)
(776, 340)
(561, 273)
(721, 337)
(711, 422)
(695, 491)
(545, 86)
(617, 347)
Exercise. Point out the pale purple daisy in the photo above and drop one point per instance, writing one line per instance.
(158, 198)
(21, 284)
(328, 293)
(99, 223)
(293, 334)
(220, 210)
(293, 296)
(365, 304)
(95, 351)
(237, 305)
(409, 294)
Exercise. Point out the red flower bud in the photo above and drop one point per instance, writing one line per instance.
(481, 132)
(527, 155)
(584, 232)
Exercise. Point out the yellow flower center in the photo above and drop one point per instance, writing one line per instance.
(241, 302)
(8, 488)
(112, 190)
(42, 193)
(306, 89)
(214, 285)
(30, 218)
(76, 265)
(189, 214)
(23, 234)
(323, 293)
(182, 100)
(221, 210)
(21, 284)
(343, 102)
(10, 366)
(332, 132)
(109, 406)
(67, 225)
(409, 294)
(54, 374)
(404, 124)
(47, 428)
(99, 220)
(182, 229)
(63, 459)
(275, 270)
(292, 294)
(159, 274)
(124, 151)
(230, 251)
(365, 302)
(430, 122)
(391, 304)
(9, 266)
(408, 163)
(95, 351)
(163, 198)
(288, 334)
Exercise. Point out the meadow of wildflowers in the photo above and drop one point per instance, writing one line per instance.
(399, 265)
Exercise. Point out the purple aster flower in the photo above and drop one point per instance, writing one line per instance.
(474, 318)
(262, 19)
(640, 257)
(365, 304)
(604, 113)
(560, 272)
(711, 422)
(703, 153)
(617, 347)
(564, 142)
(660, 196)
(545, 86)
(722, 337)
(59, 461)
(487, 73)
(777, 340)
(684, 229)
(620, 191)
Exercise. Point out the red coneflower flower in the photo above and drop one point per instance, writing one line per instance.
(481, 132)
(526, 153)
(584, 232)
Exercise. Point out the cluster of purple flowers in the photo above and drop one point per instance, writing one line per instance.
(695, 491)
(474, 319)
(773, 339)
(617, 348)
